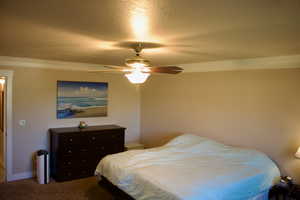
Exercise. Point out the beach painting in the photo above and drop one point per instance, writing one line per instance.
(81, 99)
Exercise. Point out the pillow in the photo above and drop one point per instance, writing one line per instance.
(186, 139)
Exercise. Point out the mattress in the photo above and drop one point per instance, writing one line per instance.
(190, 167)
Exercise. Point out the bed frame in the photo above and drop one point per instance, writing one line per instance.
(117, 193)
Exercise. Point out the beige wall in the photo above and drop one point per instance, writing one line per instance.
(34, 99)
(257, 109)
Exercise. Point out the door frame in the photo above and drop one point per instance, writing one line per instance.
(8, 124)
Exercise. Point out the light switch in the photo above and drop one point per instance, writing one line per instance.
(22, 122)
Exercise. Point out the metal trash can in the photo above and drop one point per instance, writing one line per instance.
(42, 168)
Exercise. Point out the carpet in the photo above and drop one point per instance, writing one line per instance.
(81, 189)
(29, 189)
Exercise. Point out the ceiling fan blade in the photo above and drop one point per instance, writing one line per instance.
(113, 67)
(166, 70)
(119, 68)
(109, 71)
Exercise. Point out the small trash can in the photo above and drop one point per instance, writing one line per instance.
(42, 168)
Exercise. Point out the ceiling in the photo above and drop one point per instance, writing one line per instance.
(190, 31)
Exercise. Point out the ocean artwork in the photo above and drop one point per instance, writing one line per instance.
(81, 99)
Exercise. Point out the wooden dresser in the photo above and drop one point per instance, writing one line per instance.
(75, 153)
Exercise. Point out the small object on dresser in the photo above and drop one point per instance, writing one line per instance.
(286, 181)
(82, 124)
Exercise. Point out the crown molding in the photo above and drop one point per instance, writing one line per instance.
(278, 62)
(7, 61)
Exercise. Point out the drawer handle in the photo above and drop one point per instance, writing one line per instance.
(69, 151)
(71, 140)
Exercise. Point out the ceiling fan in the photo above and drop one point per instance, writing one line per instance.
(138, 69)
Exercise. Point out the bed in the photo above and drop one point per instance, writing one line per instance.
(191, 167)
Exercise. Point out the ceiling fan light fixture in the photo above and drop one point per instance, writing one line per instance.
(137, 65)
(137, 77)
(137, 61)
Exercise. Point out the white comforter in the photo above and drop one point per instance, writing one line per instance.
(190, 167)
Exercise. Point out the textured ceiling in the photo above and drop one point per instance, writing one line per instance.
(190, 31)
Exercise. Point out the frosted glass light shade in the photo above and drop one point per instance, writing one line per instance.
(137, 77)
(297, 154)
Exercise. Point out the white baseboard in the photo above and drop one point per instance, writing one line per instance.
(19, 176)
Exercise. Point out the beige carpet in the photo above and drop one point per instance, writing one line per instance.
(29, 189)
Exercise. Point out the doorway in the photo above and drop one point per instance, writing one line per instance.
(2, 129)
(6, 166)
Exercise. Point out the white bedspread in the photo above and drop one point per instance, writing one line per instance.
(190, 167)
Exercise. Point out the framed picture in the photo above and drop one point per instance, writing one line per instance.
(81, 99)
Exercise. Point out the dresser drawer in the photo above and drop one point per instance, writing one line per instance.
(100, 138)
(70, 150)
(73, 173)
(74, 162)
(94, 138)
(70, 144)
(103, 148)
(117, 136)
(70, 139)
